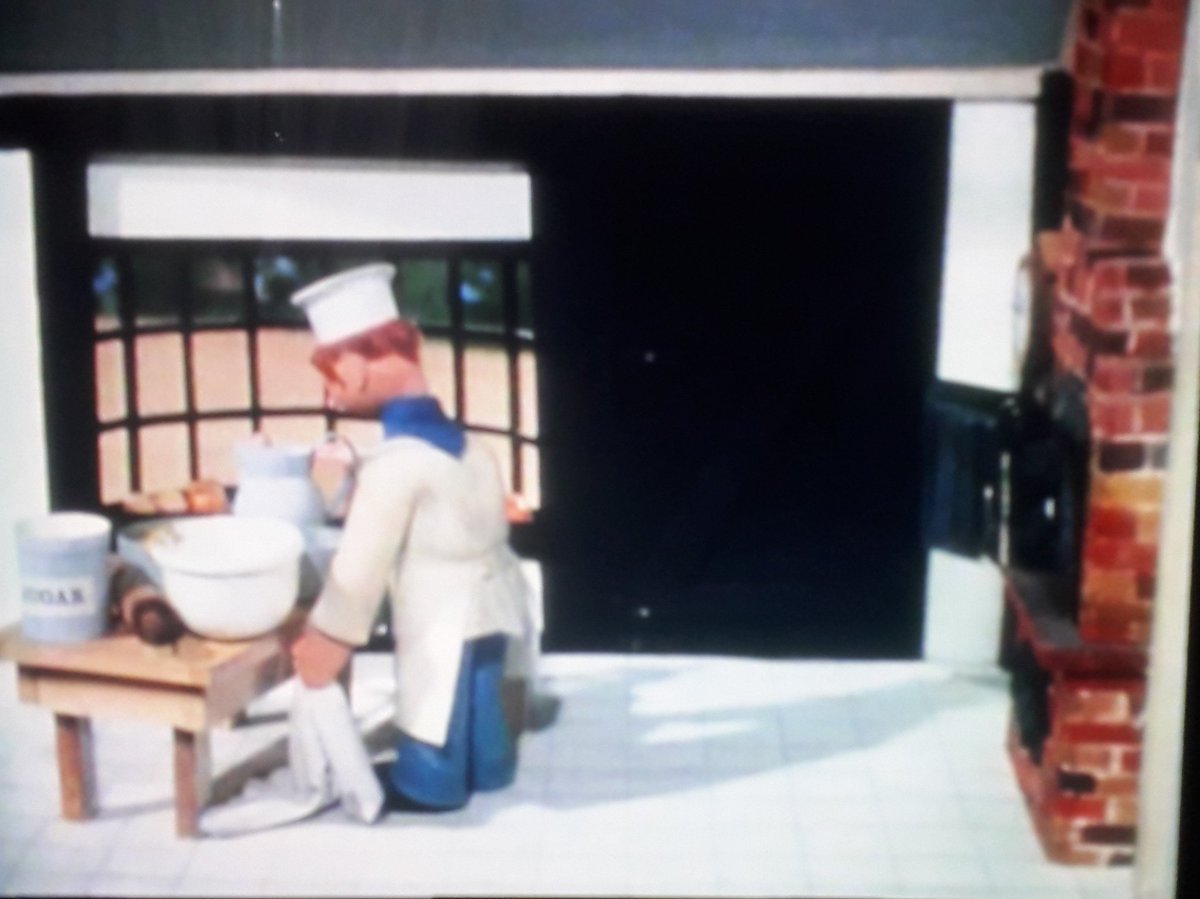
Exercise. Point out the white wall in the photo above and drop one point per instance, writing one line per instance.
(988, 231)
(23, 479)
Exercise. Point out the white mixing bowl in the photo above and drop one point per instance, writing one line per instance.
(229, 577)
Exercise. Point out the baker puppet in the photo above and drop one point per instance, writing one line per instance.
(426, 528)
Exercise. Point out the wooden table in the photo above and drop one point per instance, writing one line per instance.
(190, 686)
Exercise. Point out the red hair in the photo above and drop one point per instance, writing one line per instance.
(400, 337)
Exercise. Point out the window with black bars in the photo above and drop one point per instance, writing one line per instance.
(197, 346)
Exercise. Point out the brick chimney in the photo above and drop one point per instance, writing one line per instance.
(1111, 301)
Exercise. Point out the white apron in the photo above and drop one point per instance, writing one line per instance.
(429, 530)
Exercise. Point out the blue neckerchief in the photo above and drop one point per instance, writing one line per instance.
(422, 417)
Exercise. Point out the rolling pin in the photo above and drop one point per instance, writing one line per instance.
(139, 606)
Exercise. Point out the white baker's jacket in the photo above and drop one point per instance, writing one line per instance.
(429, 529)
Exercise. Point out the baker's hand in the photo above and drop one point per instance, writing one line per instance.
(318, 657)
(516, 509)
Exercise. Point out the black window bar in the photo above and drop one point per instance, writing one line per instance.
(187, 322)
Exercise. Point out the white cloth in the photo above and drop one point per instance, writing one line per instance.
(327, 764)
(428, 530)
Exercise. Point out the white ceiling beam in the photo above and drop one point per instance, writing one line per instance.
(1001, 83)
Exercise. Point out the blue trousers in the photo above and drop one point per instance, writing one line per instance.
(479, 753)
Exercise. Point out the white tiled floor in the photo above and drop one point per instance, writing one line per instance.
(662, 775)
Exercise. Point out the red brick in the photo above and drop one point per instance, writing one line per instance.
(1092, 757)
(1099, 705)
(1105, 585)
(1114, 613)
(1069, 853)
(1160, 142)
(1108, 195)
(1163, 72)
(1148, 273)
(1147, 584)
(1071, 354)
(1088, 807)
(1118, 785)
(1158, 30)
(1153, 307)
(1083, 105)
(1103, 759)
(1114, 456)
(1129, 685)
(1101, 733)
(1124, 71)
(1112, 521)
(1142, 108)
(1117, 375)
(1111, 417)
(1110, 310)
(1110, 341)
(1154, 413)
(1104, 552)
(1085, 151)
(1109, 834)
(1107, 275)
(1122, 810)
(1093, 158)
(1151, 198)
(1131, 761)
(1118, 634)
(1145, 558)
(1150, 344)
(1136, 230)
(1149, 525)
(1158, 377)
(1127, 489)
(1137, 695)
(1097, 222)
(1126, 623)
(1121, 140)
(1087, 66)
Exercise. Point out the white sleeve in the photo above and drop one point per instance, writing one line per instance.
(372, 539)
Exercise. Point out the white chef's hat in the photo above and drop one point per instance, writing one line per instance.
(349, 303)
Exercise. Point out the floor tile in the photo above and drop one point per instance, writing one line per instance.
(941, 875)
(46, 880)
(663, 775)
(113, 884)
(167, 859)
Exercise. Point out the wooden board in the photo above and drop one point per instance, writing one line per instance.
(191, 662)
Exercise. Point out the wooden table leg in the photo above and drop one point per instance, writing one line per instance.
(76, 766)
(192, 775)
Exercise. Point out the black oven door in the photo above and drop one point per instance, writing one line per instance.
(1004, 479)
(966, 434)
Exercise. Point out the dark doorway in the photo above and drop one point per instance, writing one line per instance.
(737, 317)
